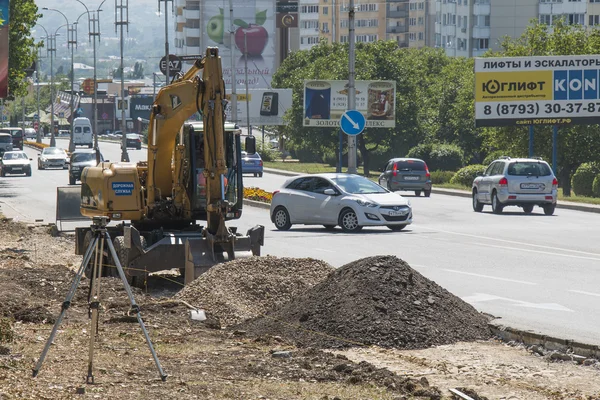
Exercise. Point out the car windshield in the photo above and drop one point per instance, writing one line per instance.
(529, 168)
(15, 156)
(253, 155)
(52, 151)
(132, 136)
(82, 157)
(357, 185)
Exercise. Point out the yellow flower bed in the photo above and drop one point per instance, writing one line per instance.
(257, 194)
(40, 146)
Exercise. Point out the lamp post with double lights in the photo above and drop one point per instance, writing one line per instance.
(51, 49)
(122, 12)
(38, 137)
(71, 42)
(94, 30)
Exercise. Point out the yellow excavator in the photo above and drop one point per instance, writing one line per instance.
(193, 173)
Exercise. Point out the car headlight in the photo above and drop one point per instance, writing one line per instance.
(363, 203)
(43, 159)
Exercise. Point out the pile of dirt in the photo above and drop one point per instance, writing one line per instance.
(374, 301)
(246, 288)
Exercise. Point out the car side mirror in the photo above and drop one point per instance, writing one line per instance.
(329, 192)
(250, 144)
(31, 159)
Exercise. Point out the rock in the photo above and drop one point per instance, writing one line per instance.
(281, 354)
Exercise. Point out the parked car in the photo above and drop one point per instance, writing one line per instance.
(64, 133)
(406, 174)
(52, 157)
(17, 136)
(522, 182)
(79, 160)
(252, 164)
(5, 143)
(350, 201)
(15, 162)
(133, 140)
(82, 132)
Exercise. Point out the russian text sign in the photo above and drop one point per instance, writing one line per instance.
(558, 90)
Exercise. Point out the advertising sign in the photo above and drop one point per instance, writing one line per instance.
(4, 23)
(254, 24)
(557, 90)
(326, 101)
(141, 107)
(267, 106)
(287, 14)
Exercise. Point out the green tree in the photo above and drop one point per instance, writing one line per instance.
(22, 53)
(577, 144)
(138, 71)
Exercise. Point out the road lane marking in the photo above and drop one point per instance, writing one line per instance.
(597, 258)
(482, 297)
(512, 242)
(491, 277)
(584, 292)
(325, 250)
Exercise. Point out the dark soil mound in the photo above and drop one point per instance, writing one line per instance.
(374, 301)
(238, 290)
(36, 314)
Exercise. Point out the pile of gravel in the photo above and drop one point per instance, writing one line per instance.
(246, 288)
(374, 301)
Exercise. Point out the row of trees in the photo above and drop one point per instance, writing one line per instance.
(434, 100)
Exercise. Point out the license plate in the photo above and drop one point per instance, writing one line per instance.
(17, 168)
(411, 178)
(396, 213)
(532, 185)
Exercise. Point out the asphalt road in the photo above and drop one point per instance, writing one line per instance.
(535, 272)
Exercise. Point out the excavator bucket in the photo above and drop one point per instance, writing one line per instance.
(203, 253)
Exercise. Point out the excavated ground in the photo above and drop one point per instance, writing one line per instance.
(381, 300)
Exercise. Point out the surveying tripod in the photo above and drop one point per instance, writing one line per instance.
(96, 246)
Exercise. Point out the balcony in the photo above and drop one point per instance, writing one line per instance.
(481, 9)
(191, 32)
(481, 32)
(397, 14)
(397, 29)
(563, 8)
(191, 14)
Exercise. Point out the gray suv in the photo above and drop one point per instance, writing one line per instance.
(79, 160)
(406, 174)
(522, 182)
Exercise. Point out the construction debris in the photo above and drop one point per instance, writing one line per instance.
(374, 301)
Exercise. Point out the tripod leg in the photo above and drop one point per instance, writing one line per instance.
(134, 306)
(95, 307)
(67, 303)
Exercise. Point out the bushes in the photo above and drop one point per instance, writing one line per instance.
(494, 155)
(466, 175)
(596, 186)
(440, 177)
(443, 157)
(583, 179)
(306, 155)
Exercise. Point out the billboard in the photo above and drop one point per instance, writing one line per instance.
(267, 106)
(141, 106)
(326, 101)
(254, 24)
(4, 23)
(556, 90)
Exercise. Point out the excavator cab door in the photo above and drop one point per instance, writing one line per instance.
(250, 144)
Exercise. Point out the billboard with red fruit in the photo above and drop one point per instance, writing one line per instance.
(253, 42)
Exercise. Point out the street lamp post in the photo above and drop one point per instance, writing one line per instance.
(123, 21)
(71, 42)
(94, 22)
(168, 75)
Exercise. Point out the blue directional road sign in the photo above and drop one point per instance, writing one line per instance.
(352, 122)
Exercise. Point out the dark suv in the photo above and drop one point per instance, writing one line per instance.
(79, 160)
(17, 136)
(406, 174)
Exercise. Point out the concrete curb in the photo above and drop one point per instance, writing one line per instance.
(528, 338)
(465, 193)
(257, 204)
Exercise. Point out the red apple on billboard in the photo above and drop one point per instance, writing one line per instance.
(255, 36)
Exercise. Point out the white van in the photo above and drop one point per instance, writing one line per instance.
(82, 132)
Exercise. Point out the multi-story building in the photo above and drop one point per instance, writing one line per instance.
(308, 24)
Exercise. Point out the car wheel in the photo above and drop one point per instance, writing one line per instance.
(329, 227)
(281, 219)
(255, 174)
(497, 207)
(349, 221)
(28, 173)
(260, 174)
(427, 193)
(72, 180)
(477, 206)
(528, 209)
(123, 255)
(549, 209)
(396, 228)
(2, 173)
(417, 193)
(389, 187)
(40, 166)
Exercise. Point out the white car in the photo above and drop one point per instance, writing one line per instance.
(52, 157)
(15, 162)
(350, 201)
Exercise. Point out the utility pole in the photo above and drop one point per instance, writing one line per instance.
(123, 20)
(168, 73)
(234, 109)
(351, 90)
(246, 78)
(52, 49)
(38, 137)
